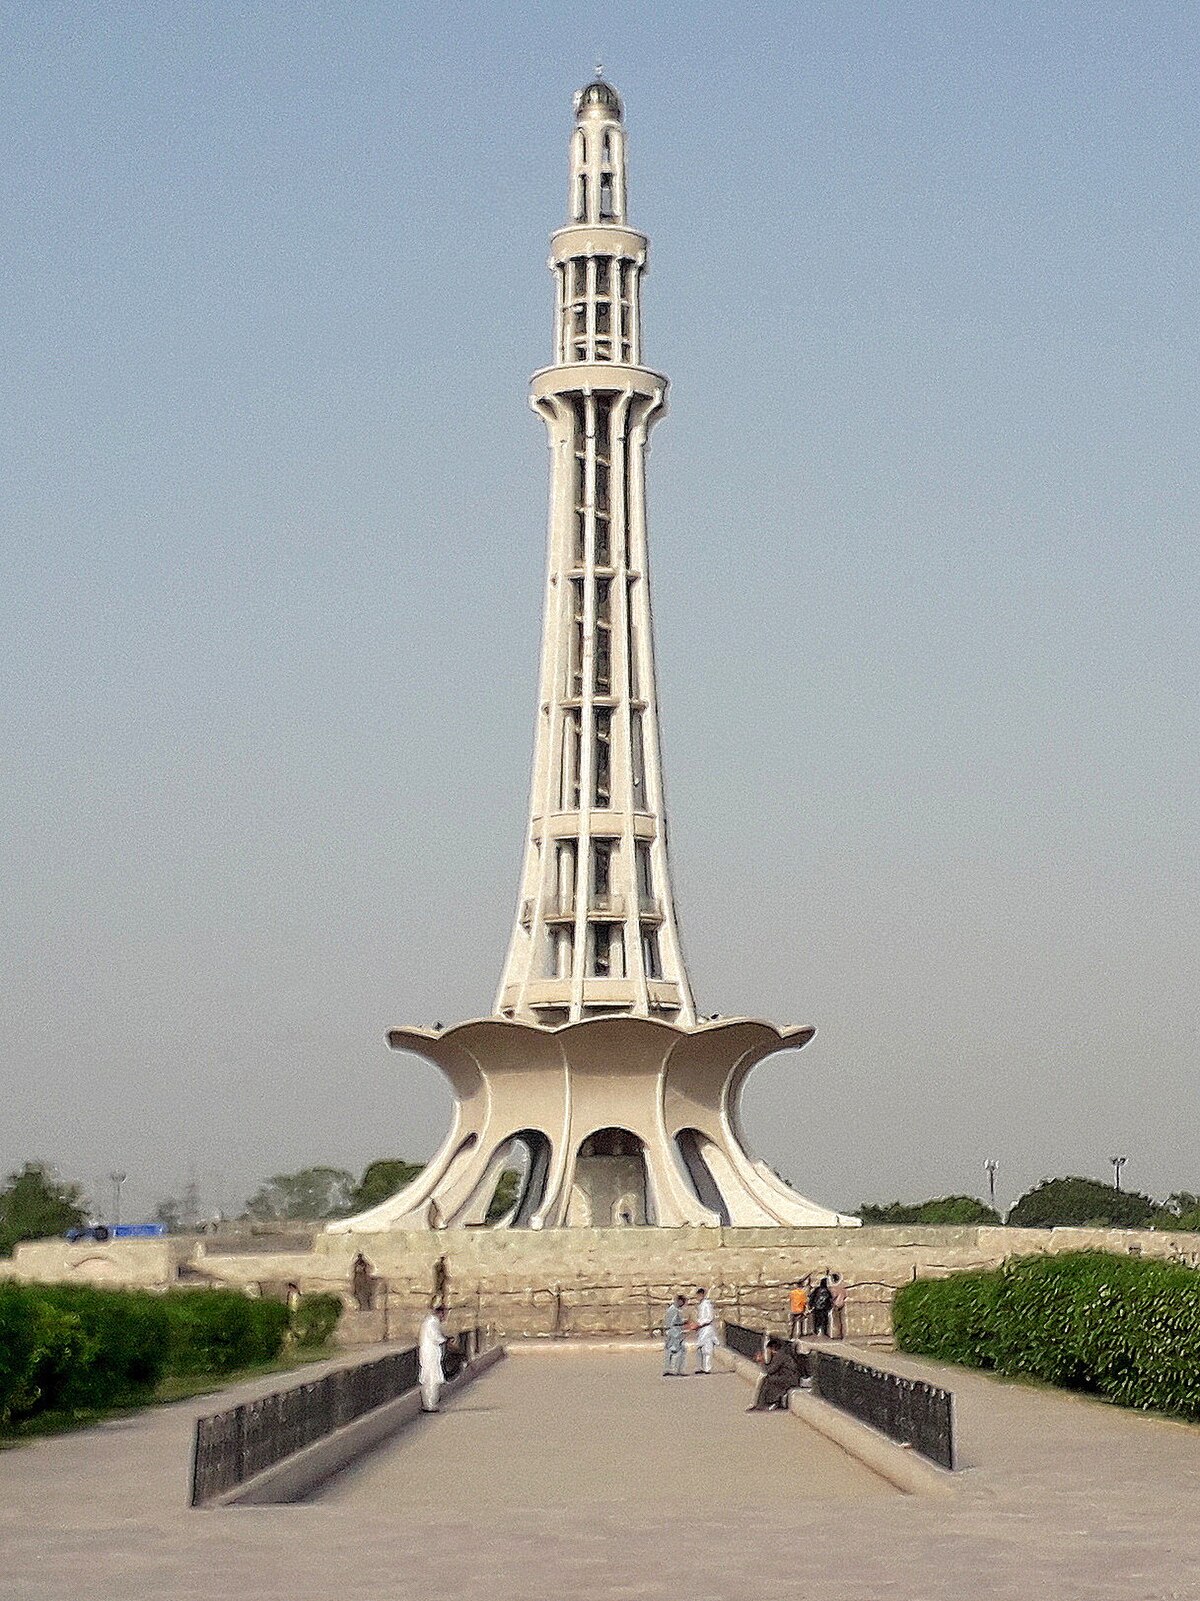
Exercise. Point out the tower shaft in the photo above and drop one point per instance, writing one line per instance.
(595, 930)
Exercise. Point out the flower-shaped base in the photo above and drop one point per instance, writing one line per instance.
(623, 1120)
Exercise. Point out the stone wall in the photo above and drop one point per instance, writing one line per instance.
(590, 1281)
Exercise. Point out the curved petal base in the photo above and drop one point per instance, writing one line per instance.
(623, 1120)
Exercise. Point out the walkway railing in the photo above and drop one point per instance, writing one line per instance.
(231, 1447)
(909, 1411)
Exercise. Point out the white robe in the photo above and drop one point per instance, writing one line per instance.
(707, 1334)
(429, 1361)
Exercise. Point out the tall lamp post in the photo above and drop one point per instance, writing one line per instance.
(1118, 1163)
(990, 1167)
(116, 1180)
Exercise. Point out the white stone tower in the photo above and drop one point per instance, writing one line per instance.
(595, 931)
(594, 1076)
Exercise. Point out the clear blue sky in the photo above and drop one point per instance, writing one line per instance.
(924, 522)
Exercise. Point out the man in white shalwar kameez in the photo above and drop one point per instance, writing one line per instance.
(707, 1334)
(429, 1358)
(673, 1346)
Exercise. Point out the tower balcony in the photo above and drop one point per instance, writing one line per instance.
(561, 909)
(586, 377)
(597, 239)
(606, 824)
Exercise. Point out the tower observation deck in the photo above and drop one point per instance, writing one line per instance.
(595, 930)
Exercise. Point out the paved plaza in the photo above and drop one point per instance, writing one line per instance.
(583, 1473)
(617, 1438)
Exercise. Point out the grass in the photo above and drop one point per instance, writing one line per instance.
(175, 1387)
(183, 1386)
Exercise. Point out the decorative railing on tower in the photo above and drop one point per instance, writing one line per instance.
(595, 931)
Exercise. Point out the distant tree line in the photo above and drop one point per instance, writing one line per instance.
(320, 1194)
(1054, 1203)
(36, 1204)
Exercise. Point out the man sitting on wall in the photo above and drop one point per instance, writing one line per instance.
(782, 1373)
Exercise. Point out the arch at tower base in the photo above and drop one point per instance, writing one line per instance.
(621, 1121)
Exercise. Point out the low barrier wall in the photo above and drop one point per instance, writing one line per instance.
(233, 1446)
(909, 1411)
(616, 1281)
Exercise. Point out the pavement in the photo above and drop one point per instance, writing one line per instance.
(584, 1473)
(557, 1434)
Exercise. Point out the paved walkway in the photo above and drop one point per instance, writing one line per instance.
(551, 1432)
(1061, 1497)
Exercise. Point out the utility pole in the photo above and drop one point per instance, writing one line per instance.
(116, 1180)
(1118, 1163)
(990, 1168)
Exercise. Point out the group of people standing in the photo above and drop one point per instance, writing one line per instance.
(677, 1325)
(818, 1309)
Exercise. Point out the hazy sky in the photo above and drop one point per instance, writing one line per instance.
(923, 517)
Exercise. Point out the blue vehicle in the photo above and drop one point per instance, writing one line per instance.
(123, 1231)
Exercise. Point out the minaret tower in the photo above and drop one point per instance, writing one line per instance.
(595, 932)
(593, 1079)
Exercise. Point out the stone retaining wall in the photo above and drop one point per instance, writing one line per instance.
(588, 1281)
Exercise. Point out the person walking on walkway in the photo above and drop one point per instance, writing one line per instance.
(782, 1374)
(821, 1305)
(707, 1334)
(799, 1308)
(837, 1289)
(673, 1346)
(429, 1359)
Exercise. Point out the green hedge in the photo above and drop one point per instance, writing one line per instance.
(1118, 1326)
(71, 1348)
(216, 1331)
(315, 1319)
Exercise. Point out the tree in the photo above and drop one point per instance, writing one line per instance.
(506, 1194)
(169, 1214)
(1182, 1211)
(382, 1179)
(311, 1194)
(1082, 1203)
(945, 1209)
(34, 1204)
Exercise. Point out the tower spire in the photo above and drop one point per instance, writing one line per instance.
(595, 929)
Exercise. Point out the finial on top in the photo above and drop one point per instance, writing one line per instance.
(599, 93)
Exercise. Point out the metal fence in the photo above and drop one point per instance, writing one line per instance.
(233, 1446)
(910, 1411)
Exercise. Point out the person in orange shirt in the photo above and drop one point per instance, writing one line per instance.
(799, 1300)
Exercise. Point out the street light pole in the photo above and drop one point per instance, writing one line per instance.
(1118, 1163)
(990, 1167)
(116, 1180)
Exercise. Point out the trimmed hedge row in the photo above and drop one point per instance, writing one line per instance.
(315, 1319)
(72, 1348)
(1117, 1326)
